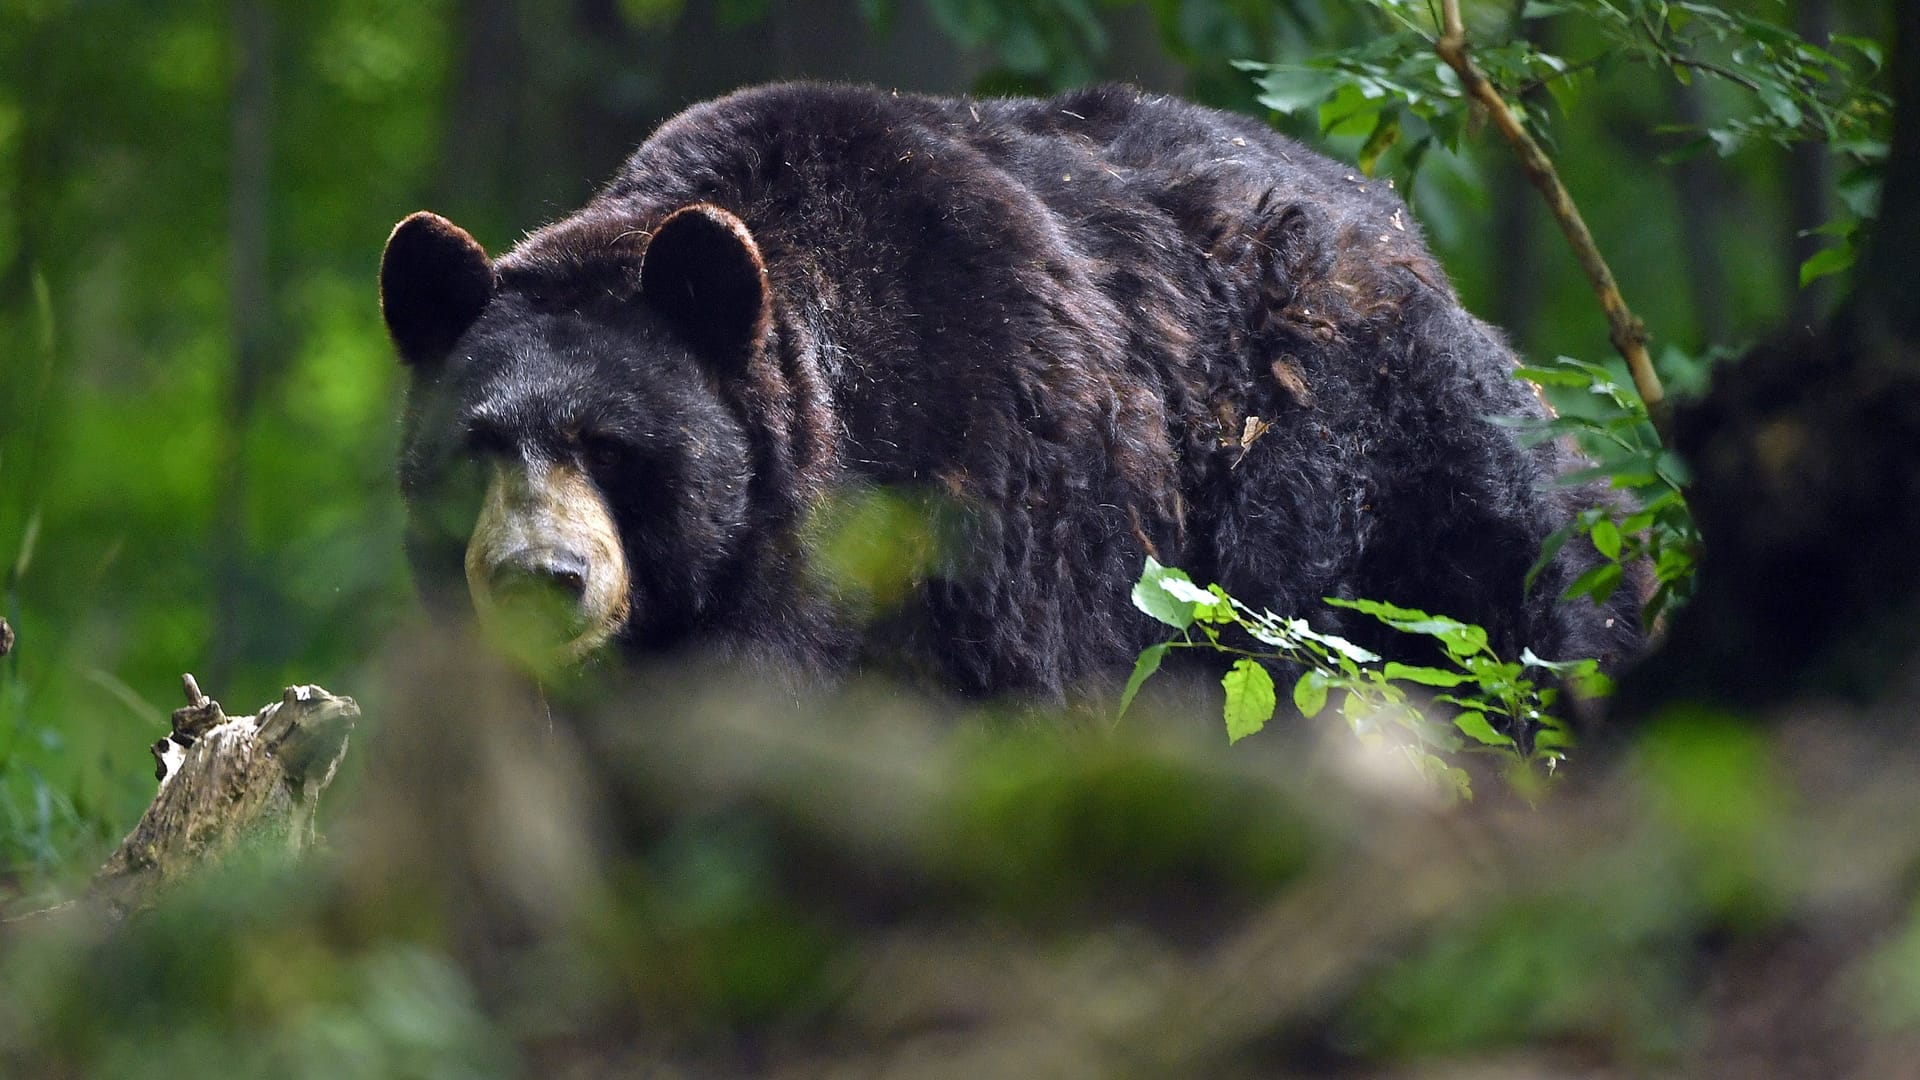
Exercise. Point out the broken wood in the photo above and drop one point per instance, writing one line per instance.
(223, 780)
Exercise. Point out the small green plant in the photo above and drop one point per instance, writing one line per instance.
(1493, 707)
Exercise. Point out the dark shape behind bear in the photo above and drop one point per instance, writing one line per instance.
(1061, 318)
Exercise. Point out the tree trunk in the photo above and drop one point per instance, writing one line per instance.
(250, 327)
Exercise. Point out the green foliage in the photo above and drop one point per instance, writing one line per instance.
(174, 525)
(1393, 89)
(266, 996)
(1037, 825)
(873, 544)
(1657, 529)
(1031, 41)
(1559, 966)
(1800, 90)
(1493, 707)
(1714, 785)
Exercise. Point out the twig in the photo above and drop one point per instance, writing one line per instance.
(1628, 333)
(1712, 69)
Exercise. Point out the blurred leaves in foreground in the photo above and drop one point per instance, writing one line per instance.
(702, 881)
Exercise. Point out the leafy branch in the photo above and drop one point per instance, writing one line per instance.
(1390, 90)
(1624, 328)
(1495, 709)
(1618, 433)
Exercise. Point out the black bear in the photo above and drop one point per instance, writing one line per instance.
(1094, 328)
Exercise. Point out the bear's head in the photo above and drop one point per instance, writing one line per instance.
(573, 446)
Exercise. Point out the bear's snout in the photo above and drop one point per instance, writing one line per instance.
(545, 565)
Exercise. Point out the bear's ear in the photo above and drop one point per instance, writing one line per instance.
(434, 282)
(703, 270)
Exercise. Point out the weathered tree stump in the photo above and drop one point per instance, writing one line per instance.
(227, 779)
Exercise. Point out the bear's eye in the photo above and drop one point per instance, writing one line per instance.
(484, 441)
(602, 452)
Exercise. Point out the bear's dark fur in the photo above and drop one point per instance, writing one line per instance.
(1061, 318)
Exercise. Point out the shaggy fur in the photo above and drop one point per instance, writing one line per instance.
(1058, 315)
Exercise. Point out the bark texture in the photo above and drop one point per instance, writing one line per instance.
(228, 779)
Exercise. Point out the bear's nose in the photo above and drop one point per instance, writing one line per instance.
(537, 570)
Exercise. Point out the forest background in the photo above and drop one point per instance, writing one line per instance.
(198, 406)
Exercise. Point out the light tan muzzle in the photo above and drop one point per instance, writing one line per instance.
(545, 565)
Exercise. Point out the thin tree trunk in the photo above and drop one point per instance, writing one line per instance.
(1697, 182)
(478, 161)
(1516, 302)
(250, 324)
(1809, 178)
(1885, 281)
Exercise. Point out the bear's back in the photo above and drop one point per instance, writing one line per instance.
(865, 180)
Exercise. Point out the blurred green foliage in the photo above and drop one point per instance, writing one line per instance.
(869, 887)
(120, 446)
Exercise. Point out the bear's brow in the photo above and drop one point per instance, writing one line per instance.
(526, 420)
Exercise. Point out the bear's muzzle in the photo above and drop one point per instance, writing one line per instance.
(545, 565)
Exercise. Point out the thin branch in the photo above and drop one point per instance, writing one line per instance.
(1710, 68)
(1628, 333)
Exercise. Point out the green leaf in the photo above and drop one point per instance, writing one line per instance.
(1541, 9)
(1143, 669)
(1864, 46)
(1299, 628)
(1449, 126)
(1606, 539)
(1688, 150)
(1379, 609)
(1460, 639)
(1763, 31)
(1427, 676)
(1351, 111)
(1554, 377)
(1250, 699)
(1726, 141)
(1386, 132)
(1291, 89)
(1310, 694)
(1825, 262)
(1859, 191)
(1551, 739)
(1451, 782)
(1548, 550)
(1598, 582)
(1150, 595)
(1474, 726)
(1780, 103)
(1357, 709)
(1591, 684)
